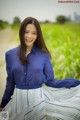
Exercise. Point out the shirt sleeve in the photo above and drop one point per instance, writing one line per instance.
(9, 84)
(52, 82)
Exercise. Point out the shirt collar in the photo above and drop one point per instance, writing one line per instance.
(34, 49)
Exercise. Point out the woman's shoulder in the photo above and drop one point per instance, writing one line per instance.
(42, 52)
(12, 51)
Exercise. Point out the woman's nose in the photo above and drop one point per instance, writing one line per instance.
(30, 35)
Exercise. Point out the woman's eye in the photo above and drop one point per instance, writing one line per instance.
(26, 32)
(34, 33)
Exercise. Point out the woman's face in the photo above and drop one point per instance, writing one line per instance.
(30, 35)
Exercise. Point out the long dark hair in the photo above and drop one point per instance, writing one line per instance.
(39, 41)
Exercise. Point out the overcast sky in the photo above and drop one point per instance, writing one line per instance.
(40, 9)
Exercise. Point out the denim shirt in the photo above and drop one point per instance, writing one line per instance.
(32, 75)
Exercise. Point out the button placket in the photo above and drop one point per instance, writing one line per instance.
(26, 69)
(25, 74)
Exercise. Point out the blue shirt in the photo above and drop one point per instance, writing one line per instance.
(33, 75)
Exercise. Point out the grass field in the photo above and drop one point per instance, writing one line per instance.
(63, 41)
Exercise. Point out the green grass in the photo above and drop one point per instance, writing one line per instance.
(63, 41)
(3, 26)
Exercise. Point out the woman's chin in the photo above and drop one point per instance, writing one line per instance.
(29, 45)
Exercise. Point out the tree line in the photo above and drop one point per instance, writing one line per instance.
(16, 21)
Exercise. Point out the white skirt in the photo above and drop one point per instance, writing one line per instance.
(35, 104)
(27, 105)
(63, 103)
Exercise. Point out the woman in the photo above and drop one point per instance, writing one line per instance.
(28, 67)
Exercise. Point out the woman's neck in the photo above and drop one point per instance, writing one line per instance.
(28, 50)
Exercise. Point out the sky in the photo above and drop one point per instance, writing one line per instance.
(40, 9)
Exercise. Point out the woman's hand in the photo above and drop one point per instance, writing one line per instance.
(0, 109)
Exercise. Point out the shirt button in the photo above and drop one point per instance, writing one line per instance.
(25, 73)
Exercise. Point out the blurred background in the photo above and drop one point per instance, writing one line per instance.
(60, 24)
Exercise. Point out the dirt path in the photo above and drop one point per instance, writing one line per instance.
(7, 41)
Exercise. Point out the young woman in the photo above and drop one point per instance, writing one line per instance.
(28, 67)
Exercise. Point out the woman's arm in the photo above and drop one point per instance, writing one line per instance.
(49, 74)
(9, 84)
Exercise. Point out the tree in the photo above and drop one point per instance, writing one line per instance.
(3, 24)
(61, 19)
(16, 20)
